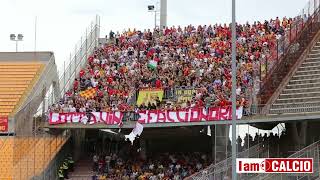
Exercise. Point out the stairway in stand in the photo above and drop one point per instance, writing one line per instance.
(82, 170)
(302, 93)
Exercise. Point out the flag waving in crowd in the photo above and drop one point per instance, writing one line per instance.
(152, 64)
(89, 93)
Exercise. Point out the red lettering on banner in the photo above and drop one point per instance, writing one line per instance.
(62, 118)
(92, 119)
(169, 119)
(193, 118)
(116, 119)
(161, 116)
(186, 115)
(204, 115)
(104, 117)
(151, 116)
(77, 117)
(213, 115)
(97, 115)
(154, 112)
(69, 117)
(226, 115)
(142, 119)
(3, 123)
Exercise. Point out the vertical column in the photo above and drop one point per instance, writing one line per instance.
(56, 90)
(163, 14)
(221, 142)
(143, 147)
(213, 136)
(78, 136)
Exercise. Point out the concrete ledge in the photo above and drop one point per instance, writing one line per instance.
(26, 56)
(246, 120)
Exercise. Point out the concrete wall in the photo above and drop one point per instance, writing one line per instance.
(22, 120)
(26, 56)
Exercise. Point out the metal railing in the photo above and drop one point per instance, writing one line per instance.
(288, 49)
(37, 159)
(311, 151)
(25, 113)
(83, 49)
(22, 123)
(266, 109)
(51, 170)
(221, 169)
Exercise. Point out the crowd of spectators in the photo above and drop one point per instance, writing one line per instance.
(270, 142)
(198, 57)
(249, 141)
(173, 166)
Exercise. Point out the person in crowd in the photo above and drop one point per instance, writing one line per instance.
(95, 162)
(197, 57)
(158, 167)
(71, 163)
(60, 173)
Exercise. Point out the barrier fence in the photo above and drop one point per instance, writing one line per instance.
(28, 154)
(33, 155)
(288, 49)
(311, 151)
(222, 169)
(83, 49)
(285, 43)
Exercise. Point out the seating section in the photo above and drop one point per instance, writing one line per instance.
(16, 80)
(196, 57)
(25, 157)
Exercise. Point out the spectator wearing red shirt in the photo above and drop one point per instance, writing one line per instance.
(158, 83)
(75, 85)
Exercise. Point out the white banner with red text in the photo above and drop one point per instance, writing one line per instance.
(149, 116)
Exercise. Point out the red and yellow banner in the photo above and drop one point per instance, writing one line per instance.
(89, 93)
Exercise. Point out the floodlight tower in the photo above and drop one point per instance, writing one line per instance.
(17, 38)
(163, 14)
(160, 13)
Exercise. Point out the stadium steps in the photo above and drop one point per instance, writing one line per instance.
(82, 170)
(16, 81)
(302, 93)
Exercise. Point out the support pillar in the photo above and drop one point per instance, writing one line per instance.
(220, 142)
(297, 131)
(143, 151)
(163, 14)
(78, 136)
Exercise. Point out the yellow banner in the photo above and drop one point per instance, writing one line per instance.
(149, 95)
(184, 95)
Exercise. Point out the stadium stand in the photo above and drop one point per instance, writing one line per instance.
(197, 57)
(175, 57)
(16, 80)
(111, 78)
(25, 151)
